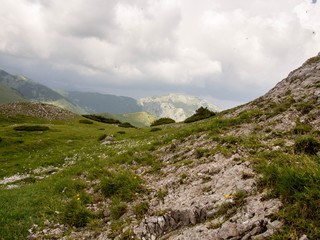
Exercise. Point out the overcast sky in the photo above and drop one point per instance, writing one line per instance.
(228, 52)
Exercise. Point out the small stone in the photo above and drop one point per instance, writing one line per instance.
(303, 237)
(47, 222)
(106, 213)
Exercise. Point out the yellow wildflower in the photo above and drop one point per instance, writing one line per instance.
(227, 196)
(135, 177)
(78, 199)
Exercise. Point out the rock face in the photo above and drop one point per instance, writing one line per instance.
(297, 96)
(203, 194)
(175, 106)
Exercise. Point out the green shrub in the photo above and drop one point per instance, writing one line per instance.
(162, 121)
(302, 129)
(156, 168)
(239, 198)
(307, 145)
(117, 208)
(225, 208)
(31, 128)
(201, 113)
(155, 129)
(102, 119)
(200, 152)
(85, 121)
(75, 214)
(141, 209)
(304, 107)
(127, 235)
(247, 175)
(126, 125)
(103, 136)
(295, 179)
(315, 59)
(121, 184)
(161, 194)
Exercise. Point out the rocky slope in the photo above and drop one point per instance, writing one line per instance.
(35, 110)
(175, 106)
(295, 97)
(206, 181)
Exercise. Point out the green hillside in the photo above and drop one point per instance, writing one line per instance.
(8, 95)
(64, 103)
(138, 119)
(36, 92)
(97, 102)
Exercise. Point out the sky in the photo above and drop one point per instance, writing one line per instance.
(228, 52)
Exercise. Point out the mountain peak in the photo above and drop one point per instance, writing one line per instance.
(175, 106)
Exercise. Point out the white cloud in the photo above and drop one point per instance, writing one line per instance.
(232, 50)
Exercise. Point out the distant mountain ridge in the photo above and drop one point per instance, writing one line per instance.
(36, 92)
(175, 106)
(10, 95)
(98, 103)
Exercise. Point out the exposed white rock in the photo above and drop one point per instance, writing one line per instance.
(175, 106)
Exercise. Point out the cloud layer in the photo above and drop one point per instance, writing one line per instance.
(228, 52)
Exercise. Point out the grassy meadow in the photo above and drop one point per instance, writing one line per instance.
(62, 161)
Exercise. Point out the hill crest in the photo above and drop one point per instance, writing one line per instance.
(35, 110)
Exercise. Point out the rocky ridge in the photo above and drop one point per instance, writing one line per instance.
(297, 96)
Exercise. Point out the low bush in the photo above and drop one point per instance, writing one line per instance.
(161, 194)
(121, 132)
(304, 107)
(239, 198)
(102, 119)
(141, 209)
(201, 113)
(302, 129)
(226, 209)
(31, 128)
(200, 152)
(85, 121)
(102, 137)
(124, 185)
(155, 129)
(117, 208)
(307, 144)
(126, 125)
(75, 214)
(315, 59)
(162, 121)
